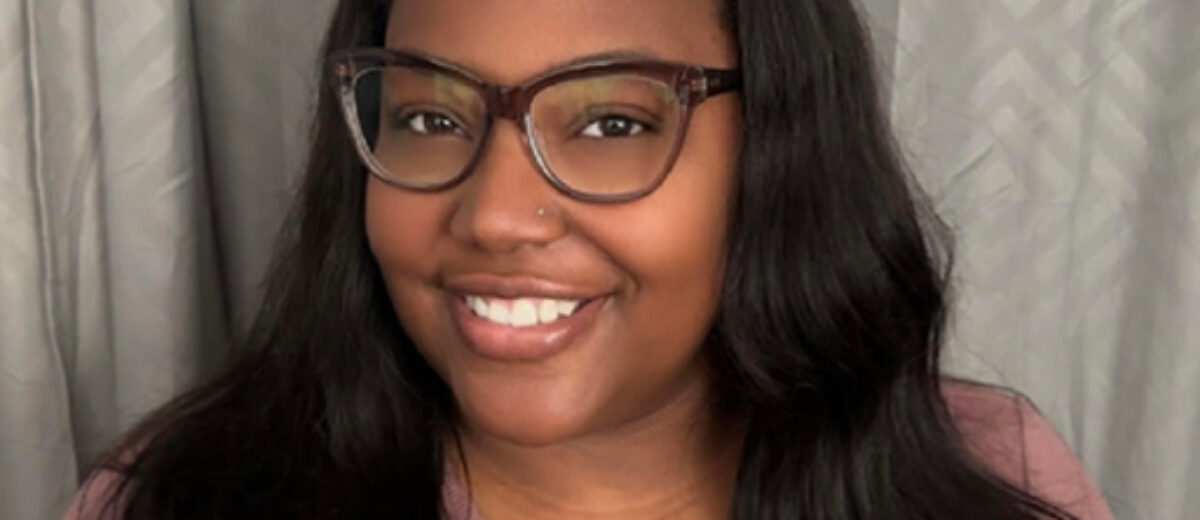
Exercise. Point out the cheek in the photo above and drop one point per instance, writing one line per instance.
(400, 226)
(403, 230)
(673, 245)
(677, 236)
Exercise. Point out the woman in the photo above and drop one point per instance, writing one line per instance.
(672, 268)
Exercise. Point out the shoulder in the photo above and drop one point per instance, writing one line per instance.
(102, 494)
(1004, 431)
(92, 501)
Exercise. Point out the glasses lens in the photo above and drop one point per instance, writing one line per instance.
(607, 135)
(420, 126)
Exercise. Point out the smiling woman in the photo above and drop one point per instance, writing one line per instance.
(597, 259)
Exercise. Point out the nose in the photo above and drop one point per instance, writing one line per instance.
(505, 203)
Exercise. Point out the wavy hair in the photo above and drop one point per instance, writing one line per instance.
(827, 338)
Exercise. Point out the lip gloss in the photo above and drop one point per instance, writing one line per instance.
(521, 344)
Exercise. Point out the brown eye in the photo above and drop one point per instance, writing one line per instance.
(613, 126)
(429, 123)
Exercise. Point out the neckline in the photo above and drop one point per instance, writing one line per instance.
(456, 498)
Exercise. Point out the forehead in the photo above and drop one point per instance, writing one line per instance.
(508, 41)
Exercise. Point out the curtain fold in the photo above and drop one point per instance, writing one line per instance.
(149, 148)
(110, 300)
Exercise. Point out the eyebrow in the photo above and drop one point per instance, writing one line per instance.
(632, 53)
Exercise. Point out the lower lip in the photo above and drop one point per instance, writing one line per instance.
(531, 343)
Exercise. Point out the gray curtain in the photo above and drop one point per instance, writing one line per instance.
(147, 153)
(148, 150)
(1061, 140)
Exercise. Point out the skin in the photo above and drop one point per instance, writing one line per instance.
(620, 424)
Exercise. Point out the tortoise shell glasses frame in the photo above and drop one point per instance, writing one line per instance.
(690, 84)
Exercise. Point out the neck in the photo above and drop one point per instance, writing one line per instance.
(680, 461)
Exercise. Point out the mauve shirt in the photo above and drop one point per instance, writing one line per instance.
(1001, 429)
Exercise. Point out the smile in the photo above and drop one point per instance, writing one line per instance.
(523, 329)
(521, 312)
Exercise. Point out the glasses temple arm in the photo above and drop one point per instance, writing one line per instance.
(722, 80)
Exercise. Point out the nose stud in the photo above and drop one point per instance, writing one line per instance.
(541, 212)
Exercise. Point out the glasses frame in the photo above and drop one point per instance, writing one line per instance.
(693, 84)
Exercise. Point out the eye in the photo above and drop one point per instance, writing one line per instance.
(429, 123)
(613, 126)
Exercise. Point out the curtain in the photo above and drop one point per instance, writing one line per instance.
(147, 154)
(1061, 141)
(149, 148)
(109, 286)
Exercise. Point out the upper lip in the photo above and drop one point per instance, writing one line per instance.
(516, 286)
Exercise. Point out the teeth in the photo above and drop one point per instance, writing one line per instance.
(521, 312)
(524, 313)
(498, 313)
(548, 311)
(567, 307)
(478, 306)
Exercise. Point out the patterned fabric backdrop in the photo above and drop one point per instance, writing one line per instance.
(1061, 139)
(148, 148)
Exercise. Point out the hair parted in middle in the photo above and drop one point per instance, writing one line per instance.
(827, 339)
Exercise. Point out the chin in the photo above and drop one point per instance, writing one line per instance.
(525, 422)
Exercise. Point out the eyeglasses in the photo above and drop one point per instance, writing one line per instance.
(600, 131)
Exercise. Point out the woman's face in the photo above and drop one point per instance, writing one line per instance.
(648, 271)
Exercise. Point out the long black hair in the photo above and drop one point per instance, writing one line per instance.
(827, 339)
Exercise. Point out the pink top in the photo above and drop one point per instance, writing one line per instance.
(1003, 430)
(1006, 432)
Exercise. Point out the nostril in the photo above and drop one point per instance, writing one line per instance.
(494, 217)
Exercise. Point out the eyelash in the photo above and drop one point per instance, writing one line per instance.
(602, 113)
(405, 119)
(638, 126)
(405, 122)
